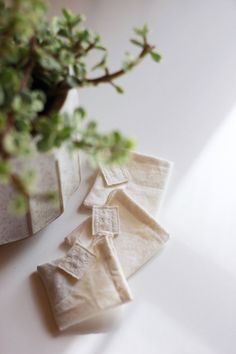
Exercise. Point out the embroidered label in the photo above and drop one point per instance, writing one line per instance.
(76, 261)
(105, 220)
(115, 175)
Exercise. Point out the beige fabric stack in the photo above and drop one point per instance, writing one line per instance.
(113, 243)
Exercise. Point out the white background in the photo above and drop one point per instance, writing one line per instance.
(184, 110)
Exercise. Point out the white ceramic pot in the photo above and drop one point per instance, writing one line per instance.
(57, 172)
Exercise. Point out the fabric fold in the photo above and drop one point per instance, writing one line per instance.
(140, 238)
(144, 178)
(101, 287)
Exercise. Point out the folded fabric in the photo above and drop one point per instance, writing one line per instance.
(144, 179)
(140, 238)
(85, 282)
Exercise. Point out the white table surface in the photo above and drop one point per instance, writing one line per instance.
(183, 110)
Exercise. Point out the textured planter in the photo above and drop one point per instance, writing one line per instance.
(57, 172)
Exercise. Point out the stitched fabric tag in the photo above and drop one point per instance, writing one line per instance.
(76, 261)
(115, 175)
(105, 220)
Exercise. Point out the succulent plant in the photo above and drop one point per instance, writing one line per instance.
(40, 62)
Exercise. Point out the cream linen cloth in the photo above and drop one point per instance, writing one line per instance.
(84, 282)
(144, 179)
(140, 238)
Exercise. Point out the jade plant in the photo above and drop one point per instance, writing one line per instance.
(40, 62)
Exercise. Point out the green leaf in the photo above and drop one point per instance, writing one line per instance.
(22, 125)
(17, 103)
(72, 20)
(37, 106)
(142, 32)
(100, 47)
(119, 89)
(67, 14)
(9, 79)
(63, 32)
(37, 101)
(66, 57)
(129, 62)
(77, 20)
(72, 81)
(137, 43)
(17, 143)
(47, 142)
(62, 136)
(80, 144)
(92, 126)
(80, 113)
(83, 36)
(49, 63)
(56, 25)
(129, 144)
(101, 64)
(156, 56)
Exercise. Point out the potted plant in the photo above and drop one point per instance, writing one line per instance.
(41, 62)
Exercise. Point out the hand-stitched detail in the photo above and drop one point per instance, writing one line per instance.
(105, 220)
(76, 261)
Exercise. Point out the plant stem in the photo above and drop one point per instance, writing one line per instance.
(110, 77)
(59, 95)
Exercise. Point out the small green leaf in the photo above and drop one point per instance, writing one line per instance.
(137, 43)
(80, 113)
(79, 144)
(155, 56)
(47, 143)
(56, 25)
(142, 32)
(72, 81)
(67, 14)
(22, 125)
(119, 89)
(17, 143)
(92, 126)
(100, 47)
(101, 64)
(129, 144)
(17, 103)
(49, 63)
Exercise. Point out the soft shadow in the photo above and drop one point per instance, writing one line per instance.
(102, 323)
(82, 209)
(14, 249)
(41, 299)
